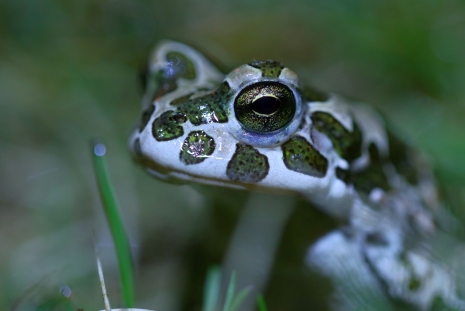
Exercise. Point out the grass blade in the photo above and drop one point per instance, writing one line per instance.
(110, 206)
(212, 289)
(261, 303)
(230, 292)
(238, 299)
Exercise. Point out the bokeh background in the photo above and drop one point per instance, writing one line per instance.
(69, 73)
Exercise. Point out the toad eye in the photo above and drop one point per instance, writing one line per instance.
(265, 107)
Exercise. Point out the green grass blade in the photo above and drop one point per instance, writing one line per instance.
(110, 206)
(261, 303)
(212, 289)
(230, 292)
(238, 299)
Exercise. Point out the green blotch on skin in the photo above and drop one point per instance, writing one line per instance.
(347, 144)
(184, 66)
(269, 68)
(400, 155)
(312, 95)
(247, 165)
(206, 109)
(180, 100)
(167, 126)
(196, 148)
(343, 174)
(158, 84)
(300, 156)
(414, 283)
(438, 304)
(201, 110)
(145, 117)
(165, 80)
(372, 176)
(155, 83)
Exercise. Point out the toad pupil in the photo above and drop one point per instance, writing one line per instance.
(266, 105)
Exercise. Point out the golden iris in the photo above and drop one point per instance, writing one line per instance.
(265, 107)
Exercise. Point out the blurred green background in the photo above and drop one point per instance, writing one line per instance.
(69, 73)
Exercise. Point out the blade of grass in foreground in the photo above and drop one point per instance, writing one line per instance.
(233, 300)
(212, 289)
(110, 206)
(261, 303)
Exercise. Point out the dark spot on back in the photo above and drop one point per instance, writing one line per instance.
(373, 175)
(312, 95)
(400, 156)
(347, 144)
(376, 238)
